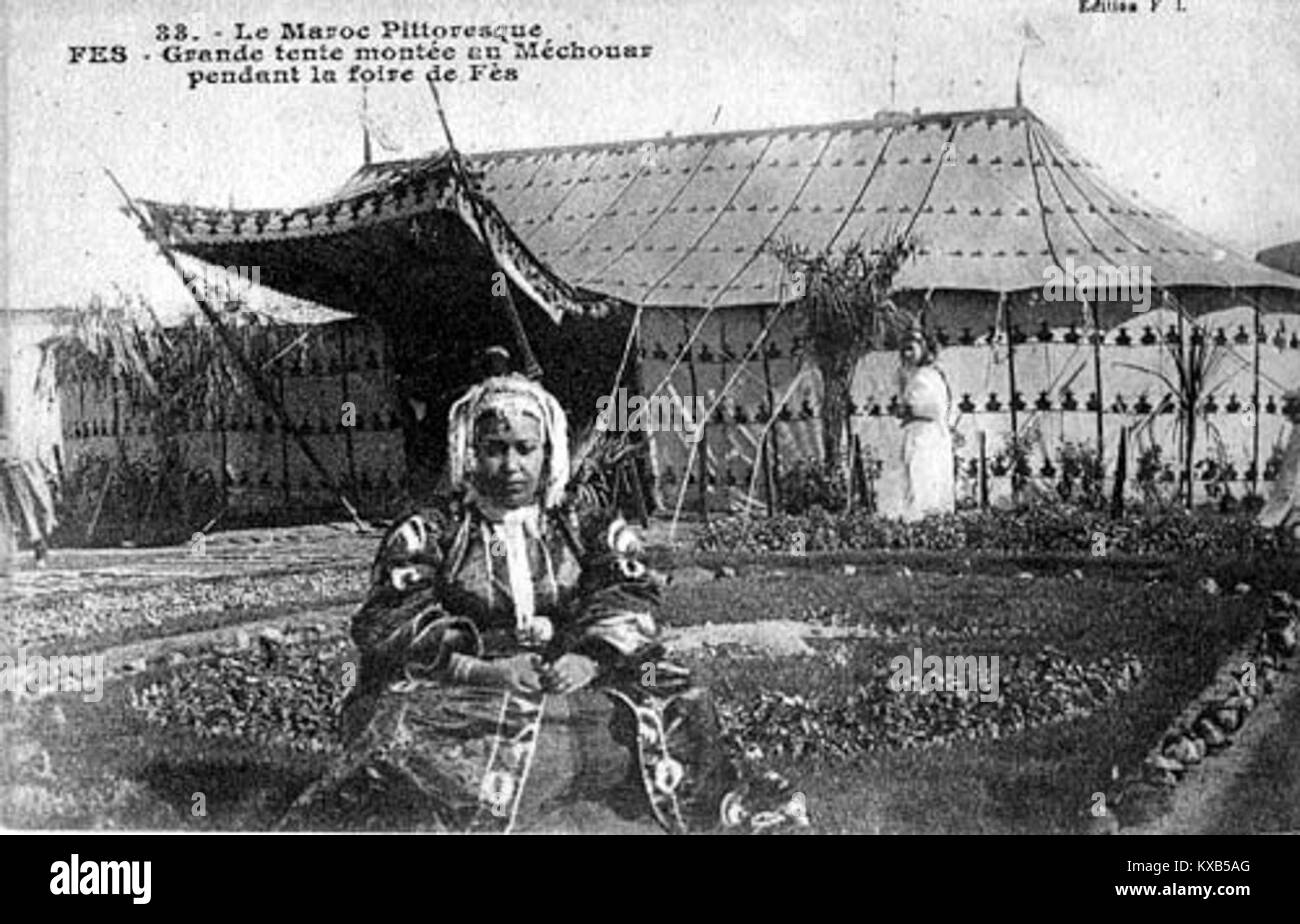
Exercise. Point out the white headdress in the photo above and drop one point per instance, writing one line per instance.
(510, 394)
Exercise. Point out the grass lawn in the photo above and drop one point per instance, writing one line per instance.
(1040, 780)
(105, 765)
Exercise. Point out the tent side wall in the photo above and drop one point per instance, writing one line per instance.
(743, 450)
(335, 383)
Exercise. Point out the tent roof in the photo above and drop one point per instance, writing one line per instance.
(1284, 257)
(257, 305)
(992, 197)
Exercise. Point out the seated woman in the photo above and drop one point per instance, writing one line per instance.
(511, 674)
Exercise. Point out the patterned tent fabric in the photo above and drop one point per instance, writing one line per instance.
(1056, 405)
(992, 197)
(335, 387)
(1058, 394)
(287, 243)
(730, 380)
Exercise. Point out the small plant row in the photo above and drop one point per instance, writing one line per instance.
(1046, 687)
(1041, 527)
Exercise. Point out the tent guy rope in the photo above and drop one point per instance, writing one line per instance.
(246, 365)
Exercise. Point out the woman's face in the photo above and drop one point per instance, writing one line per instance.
(509, 453)
(913, 352)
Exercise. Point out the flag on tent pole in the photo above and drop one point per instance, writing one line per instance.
(374, 128)
(1027, 32)
(1031, 39)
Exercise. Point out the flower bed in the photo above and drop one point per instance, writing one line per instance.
(285, 691)
(1037, 689)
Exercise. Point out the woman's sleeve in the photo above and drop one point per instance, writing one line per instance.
(618, 593)
(402, 619)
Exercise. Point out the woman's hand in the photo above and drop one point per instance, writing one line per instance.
(520, 673)
(571, 672)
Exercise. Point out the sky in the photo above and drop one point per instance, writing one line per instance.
(1195, 111)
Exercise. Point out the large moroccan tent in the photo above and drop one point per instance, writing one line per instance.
(674, 235)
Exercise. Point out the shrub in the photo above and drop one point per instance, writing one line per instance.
(1082, 477)
(106, 501)
(1150, 465)
(808, 485)
(1040, 527)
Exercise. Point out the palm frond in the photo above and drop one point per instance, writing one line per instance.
(594, 461)
(168, 373)
(846, 304)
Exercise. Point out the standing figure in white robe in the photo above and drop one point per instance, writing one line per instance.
(927, 456)
(1283, 507)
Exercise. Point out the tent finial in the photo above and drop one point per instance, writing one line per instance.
(366, 154)
(1031, 38)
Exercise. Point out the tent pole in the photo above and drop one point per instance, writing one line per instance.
(724, 476)
(250, 370)
(1254, 468)
(103, 495)
(286, 489)
(771, 455)
(531, 367)
(1096, 337)
(225, 459)
(1188, 412)
(702, 438)
(347, 397)
(1004, 306)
